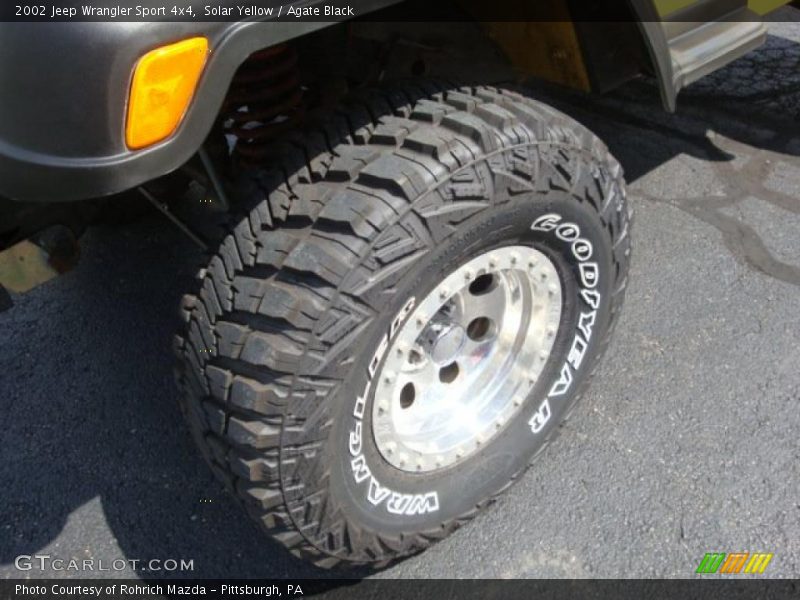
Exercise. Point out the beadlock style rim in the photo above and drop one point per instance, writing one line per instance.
(464, 362)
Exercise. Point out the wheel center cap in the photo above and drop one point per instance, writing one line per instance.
(448, 344)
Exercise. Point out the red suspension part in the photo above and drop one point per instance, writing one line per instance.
(265, 100)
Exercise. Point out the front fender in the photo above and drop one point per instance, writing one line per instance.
(64, 98)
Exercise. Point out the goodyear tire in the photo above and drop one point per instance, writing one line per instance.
(359, 267)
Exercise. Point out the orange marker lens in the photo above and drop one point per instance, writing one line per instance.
(163, 85)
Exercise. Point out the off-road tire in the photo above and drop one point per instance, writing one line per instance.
(342, 224)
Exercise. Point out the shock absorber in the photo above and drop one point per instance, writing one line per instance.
(265, 99)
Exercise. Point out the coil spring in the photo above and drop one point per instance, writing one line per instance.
(265, 100)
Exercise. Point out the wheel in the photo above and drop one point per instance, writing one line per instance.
(416, 298)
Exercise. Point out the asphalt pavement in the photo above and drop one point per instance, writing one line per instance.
(687, 442)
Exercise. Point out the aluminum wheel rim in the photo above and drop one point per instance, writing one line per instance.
(464, 362)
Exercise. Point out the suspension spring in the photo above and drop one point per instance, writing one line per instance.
(264, 101)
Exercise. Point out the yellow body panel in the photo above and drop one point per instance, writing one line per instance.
(760, 7)
(550, 49)
(763, 7)
(667, 7)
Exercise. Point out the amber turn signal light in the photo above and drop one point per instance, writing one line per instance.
(164, 82)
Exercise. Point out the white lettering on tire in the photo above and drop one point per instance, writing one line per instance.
(377, 494)
(583, 251)
(540, 417)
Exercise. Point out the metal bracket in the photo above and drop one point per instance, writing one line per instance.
(164, 210)
(213, 175)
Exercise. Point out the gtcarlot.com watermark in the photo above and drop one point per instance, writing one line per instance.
(47, 562)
